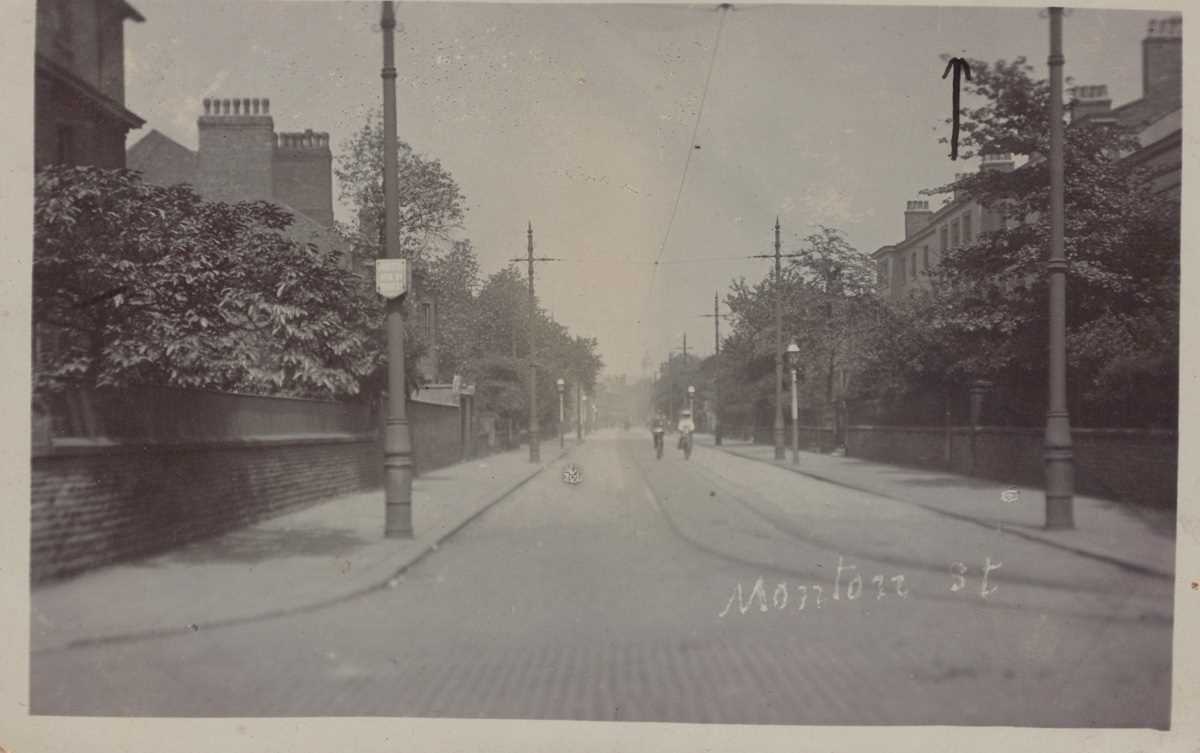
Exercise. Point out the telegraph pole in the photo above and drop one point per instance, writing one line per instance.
(716, 317)
(1058, 453)
(397, 453)
(780, 453)
(535, 444)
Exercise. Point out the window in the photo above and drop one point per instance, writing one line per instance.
(966, 229)
(925, 252)
(900, 269)
(427, 320)
(883, 272)
(955, 238)
(914, 265)
(945, 239)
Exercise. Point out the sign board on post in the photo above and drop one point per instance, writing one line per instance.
(392, 278)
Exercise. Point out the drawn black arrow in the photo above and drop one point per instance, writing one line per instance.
(959, 66)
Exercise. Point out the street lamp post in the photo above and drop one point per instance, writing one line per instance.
(778, 349)
(584, 413)
(692, 402)
(579, 412)
(793, 355)
(1058, 453)
(562, 414)
(397, 449)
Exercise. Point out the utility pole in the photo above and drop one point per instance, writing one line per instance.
(535, 444)
(780, 453)
(397, 448)
(716, 316)
(1058, 453)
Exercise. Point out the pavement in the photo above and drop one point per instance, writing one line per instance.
(1137, 538)
(712, 590)
(288, 564)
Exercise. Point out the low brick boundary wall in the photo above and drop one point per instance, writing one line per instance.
(119, 474)
(1129, 465)
(95, 504)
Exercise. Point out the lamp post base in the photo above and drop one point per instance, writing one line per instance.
(1060, 487)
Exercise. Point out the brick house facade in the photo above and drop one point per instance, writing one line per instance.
(79, 91)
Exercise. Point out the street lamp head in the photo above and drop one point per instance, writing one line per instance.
(691, 390)
(793, 353)
(561, 385)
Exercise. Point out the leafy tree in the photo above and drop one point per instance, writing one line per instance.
(990, 298)
(139, 284)
(431, 204)
(828, 305)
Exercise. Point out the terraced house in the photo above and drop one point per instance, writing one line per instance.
(1156, 118)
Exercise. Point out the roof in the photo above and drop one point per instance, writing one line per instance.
(162, 160)
(85, 91)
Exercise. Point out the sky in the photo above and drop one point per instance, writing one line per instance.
(580, 119)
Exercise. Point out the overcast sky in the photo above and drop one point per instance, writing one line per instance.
(580, 118)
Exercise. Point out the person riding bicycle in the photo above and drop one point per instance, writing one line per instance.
(658, 428)
(686, 427)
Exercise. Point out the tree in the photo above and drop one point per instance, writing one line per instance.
(140, 284)
(1122, 242)
(430, 202)
(828, 304)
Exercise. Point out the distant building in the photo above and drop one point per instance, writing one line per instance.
(241, 157)
(1156, 118)
(79, 91)
(929, 235)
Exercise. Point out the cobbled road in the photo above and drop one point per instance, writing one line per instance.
(673, 590)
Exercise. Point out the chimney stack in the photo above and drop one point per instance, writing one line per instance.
(237, 139)
(998, 162)
(1091, 103)
(916, 216)
(303, 174)
(1162, 59)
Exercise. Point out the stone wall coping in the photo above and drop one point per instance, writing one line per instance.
(108, 446)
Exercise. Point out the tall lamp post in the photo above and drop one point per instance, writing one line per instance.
(692, 402)
(562, 413)
(397, 448)
(579, 412)
(585, 410)
(793, 357)
(778, 349)
(1058, 453)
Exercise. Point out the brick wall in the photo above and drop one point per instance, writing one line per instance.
(95, 505)
(119, 474)
(1126, 465)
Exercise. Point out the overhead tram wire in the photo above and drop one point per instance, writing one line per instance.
(723, 8)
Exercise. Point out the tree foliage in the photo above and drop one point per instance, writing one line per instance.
(827, 295)
(136, 283)
(987, 315)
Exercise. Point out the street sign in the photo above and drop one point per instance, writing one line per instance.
(392, 277)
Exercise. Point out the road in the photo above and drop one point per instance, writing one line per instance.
(632, 596)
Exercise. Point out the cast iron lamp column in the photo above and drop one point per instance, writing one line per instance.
(397, 447)
(562, 414)
(1058, 453)
(793, 356)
